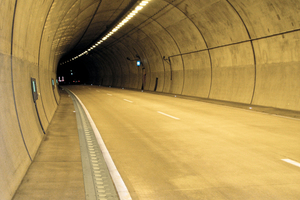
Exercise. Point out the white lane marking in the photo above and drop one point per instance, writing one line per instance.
(128, 100)
(109, 94)
(168, 115)
(117, 179)
(285, 117)
(291, 162)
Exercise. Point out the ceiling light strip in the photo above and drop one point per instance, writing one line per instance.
(115, 29)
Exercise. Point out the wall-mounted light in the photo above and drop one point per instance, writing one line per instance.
(131, 14)
(138, 60)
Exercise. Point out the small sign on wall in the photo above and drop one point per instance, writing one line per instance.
(34, 89)
(53, 83)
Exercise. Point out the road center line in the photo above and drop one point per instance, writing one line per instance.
(168, 115)
(128, 100)
(109, 94)
(291, 162)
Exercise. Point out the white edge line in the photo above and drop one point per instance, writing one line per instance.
(256, 111)
(291, 162)
(168, 115)
(109, 94)
(117, 179)
(128, 100)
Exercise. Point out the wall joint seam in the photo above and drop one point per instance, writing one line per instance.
(253, 50)
(12, 80)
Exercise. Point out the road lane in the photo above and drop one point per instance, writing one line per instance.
(212, 152)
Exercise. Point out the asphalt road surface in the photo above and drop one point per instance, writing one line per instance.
(172, 148)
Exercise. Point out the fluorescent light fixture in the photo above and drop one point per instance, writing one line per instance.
(116, 28)
(139, 8)
(143, 3)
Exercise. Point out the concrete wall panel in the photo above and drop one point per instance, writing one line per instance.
(157, 65)
(233, 73)
(177, 81)
(167, 47)
(119, 57)
(26, 45)
(197, 74)
(115, 67)
(28, 116)
(124, 52)
(187, 36)
(134, 41)
(108, 74)
(13, 153)
(134, 47)
(169, 16)
(278, 69)
(269, 17)
(14, 157)
(7, 13)
(219, 24)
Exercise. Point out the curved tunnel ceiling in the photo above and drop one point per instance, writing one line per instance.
(244, 51)
(220, 49)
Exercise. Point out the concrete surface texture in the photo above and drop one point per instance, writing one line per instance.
(56, 171)
(174, 148)
(244, 51)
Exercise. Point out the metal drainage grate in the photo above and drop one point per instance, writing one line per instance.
(97, 180)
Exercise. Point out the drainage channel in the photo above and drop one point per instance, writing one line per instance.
(98, 183)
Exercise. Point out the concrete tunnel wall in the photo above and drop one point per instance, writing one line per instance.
(239, 51)
(243, 51)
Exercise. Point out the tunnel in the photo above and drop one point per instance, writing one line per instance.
(236, 51)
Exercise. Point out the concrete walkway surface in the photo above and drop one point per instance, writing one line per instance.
(56, 171)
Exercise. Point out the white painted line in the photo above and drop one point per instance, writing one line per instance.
(128, 100)
(291, 162)
(168, 115)
(285, 117)
(117, 179)
(109, 94)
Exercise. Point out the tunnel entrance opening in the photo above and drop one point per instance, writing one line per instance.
(72, 74)
(156, 81)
